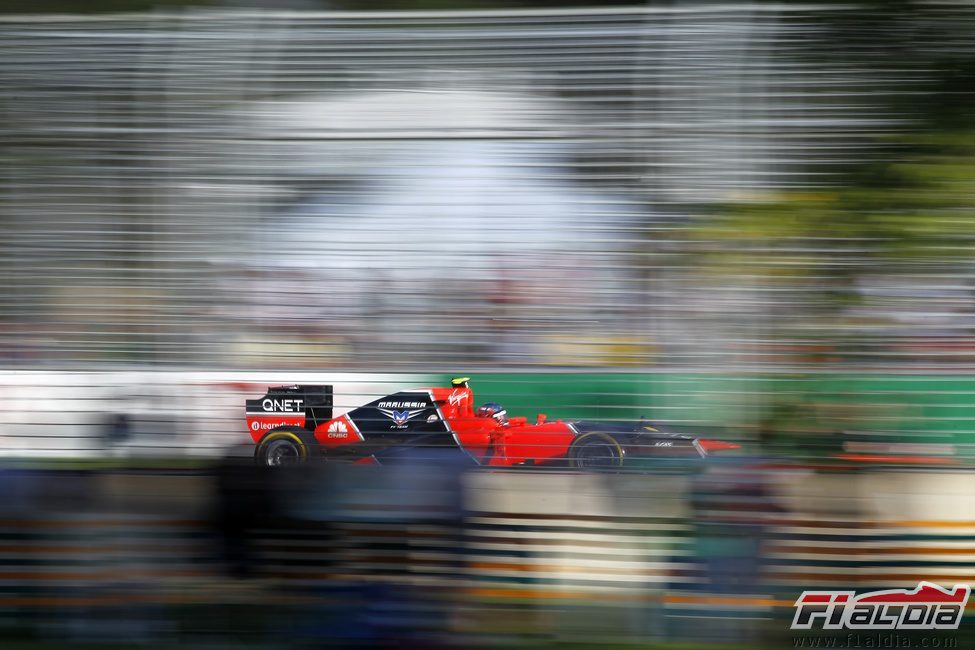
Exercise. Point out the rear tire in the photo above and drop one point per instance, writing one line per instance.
(282, 448)
(597, 451)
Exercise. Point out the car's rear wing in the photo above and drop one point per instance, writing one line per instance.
(311, 403)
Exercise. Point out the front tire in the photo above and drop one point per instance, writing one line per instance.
(596, 451)
(282, 448)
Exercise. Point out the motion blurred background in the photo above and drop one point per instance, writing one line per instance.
(750, 219)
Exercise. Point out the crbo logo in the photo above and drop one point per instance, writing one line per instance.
(928, 607)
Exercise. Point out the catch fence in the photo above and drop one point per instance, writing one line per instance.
(415, 189)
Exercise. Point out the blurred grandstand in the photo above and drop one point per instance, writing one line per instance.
(394, 190)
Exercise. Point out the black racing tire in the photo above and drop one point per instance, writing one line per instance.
(596, 451)
(283, 448)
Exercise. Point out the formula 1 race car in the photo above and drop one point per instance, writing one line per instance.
(293, 424)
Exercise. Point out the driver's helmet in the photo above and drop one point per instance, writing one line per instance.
(493, 410)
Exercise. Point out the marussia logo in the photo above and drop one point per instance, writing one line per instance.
(928, 607)
(400, 417)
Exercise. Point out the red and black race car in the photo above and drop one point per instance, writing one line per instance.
(293, 424)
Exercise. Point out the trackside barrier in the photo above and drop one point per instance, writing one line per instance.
(119, 414)
(929, 418)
